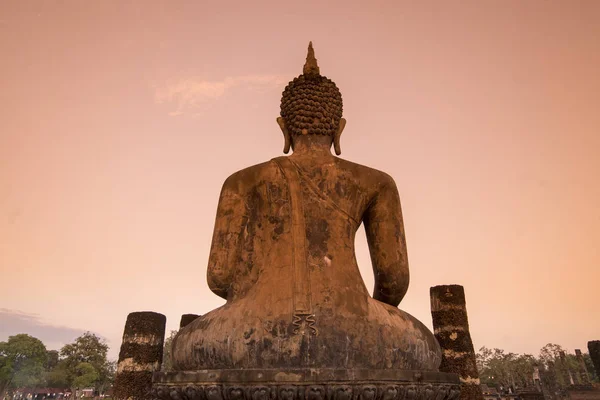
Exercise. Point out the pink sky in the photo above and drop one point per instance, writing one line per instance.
(119, 121)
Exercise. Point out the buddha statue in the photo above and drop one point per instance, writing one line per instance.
(283, 258)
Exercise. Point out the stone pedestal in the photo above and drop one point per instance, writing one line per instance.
(305, 384)
(451, 329)
(140, 356)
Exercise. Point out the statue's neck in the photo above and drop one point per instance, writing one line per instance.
(312, 146)
(312, 152)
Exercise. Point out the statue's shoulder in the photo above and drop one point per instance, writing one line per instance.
(366, 176)
(249, 177)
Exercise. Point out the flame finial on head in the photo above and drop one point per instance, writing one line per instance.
(311, 67)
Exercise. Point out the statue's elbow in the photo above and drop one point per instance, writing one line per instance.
(387, 293)
(391, 288)
(218, 283)
(220, 291)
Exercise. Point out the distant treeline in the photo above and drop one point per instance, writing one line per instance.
(26, 363)
(505, 371)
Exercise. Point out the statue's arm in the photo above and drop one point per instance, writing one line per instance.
(226, 244)
(387, 244)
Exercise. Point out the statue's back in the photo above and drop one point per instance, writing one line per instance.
(316, 309)
(283, 257)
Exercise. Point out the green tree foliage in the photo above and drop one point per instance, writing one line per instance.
(22, 362)
(57, 377)
(86, 354)
(52, 361)
(504, 370)
(166, 364)
(86, 375)
(509, 370)
(106, 376)
(551, 353)
(87, 348)
(25, 362)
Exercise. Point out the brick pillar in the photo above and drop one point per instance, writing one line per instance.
(536, 378)
(594, 349)
(553, 379)
(451, 329)
(186, 319)
(140, 355)
(583, 373)
(566, 371)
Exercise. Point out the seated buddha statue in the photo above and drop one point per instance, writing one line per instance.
(283, 258)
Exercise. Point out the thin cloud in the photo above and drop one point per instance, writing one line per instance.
(191, 94)
(13, 322)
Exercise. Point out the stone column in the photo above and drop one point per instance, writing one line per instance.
(451, 329)
(594, 349)
(140, 355)
(583, 373)
(186, 319)
(553, 379)
(536, 378)
(566, 371)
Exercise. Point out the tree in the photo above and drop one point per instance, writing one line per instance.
(53, 358)
(166, 363)
(86, 375)
(56, 374)
(88, 350)
(107, 376)
(505, 370)
(58, 377)
(563, 367)
(495, 367)
(509, 370)
(22, 360)
(523, 366)
(550, 352)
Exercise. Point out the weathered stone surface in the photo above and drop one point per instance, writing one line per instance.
(583, 392)
(283, 257)
(140, 355)
(564, 369)
(186, 319)
(306, 384)
(594, 350)
(451, 328)
(530, 395)
(552, 382)
(584, 377)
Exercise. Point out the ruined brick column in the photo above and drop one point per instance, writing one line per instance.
(186, 319)
(553, 379)
(140, 355)
(536, 377)
(594, 349)
(583, 373)
(566, 371)
(451, 329)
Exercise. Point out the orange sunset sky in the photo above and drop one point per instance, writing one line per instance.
(120, 120)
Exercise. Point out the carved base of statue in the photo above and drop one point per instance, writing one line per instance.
(305, 384)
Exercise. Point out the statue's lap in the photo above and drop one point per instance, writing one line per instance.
(239, 336)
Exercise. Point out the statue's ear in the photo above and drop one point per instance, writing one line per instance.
(286, 135)
(337, 135)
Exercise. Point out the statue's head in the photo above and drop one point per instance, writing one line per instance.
(311, 105)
